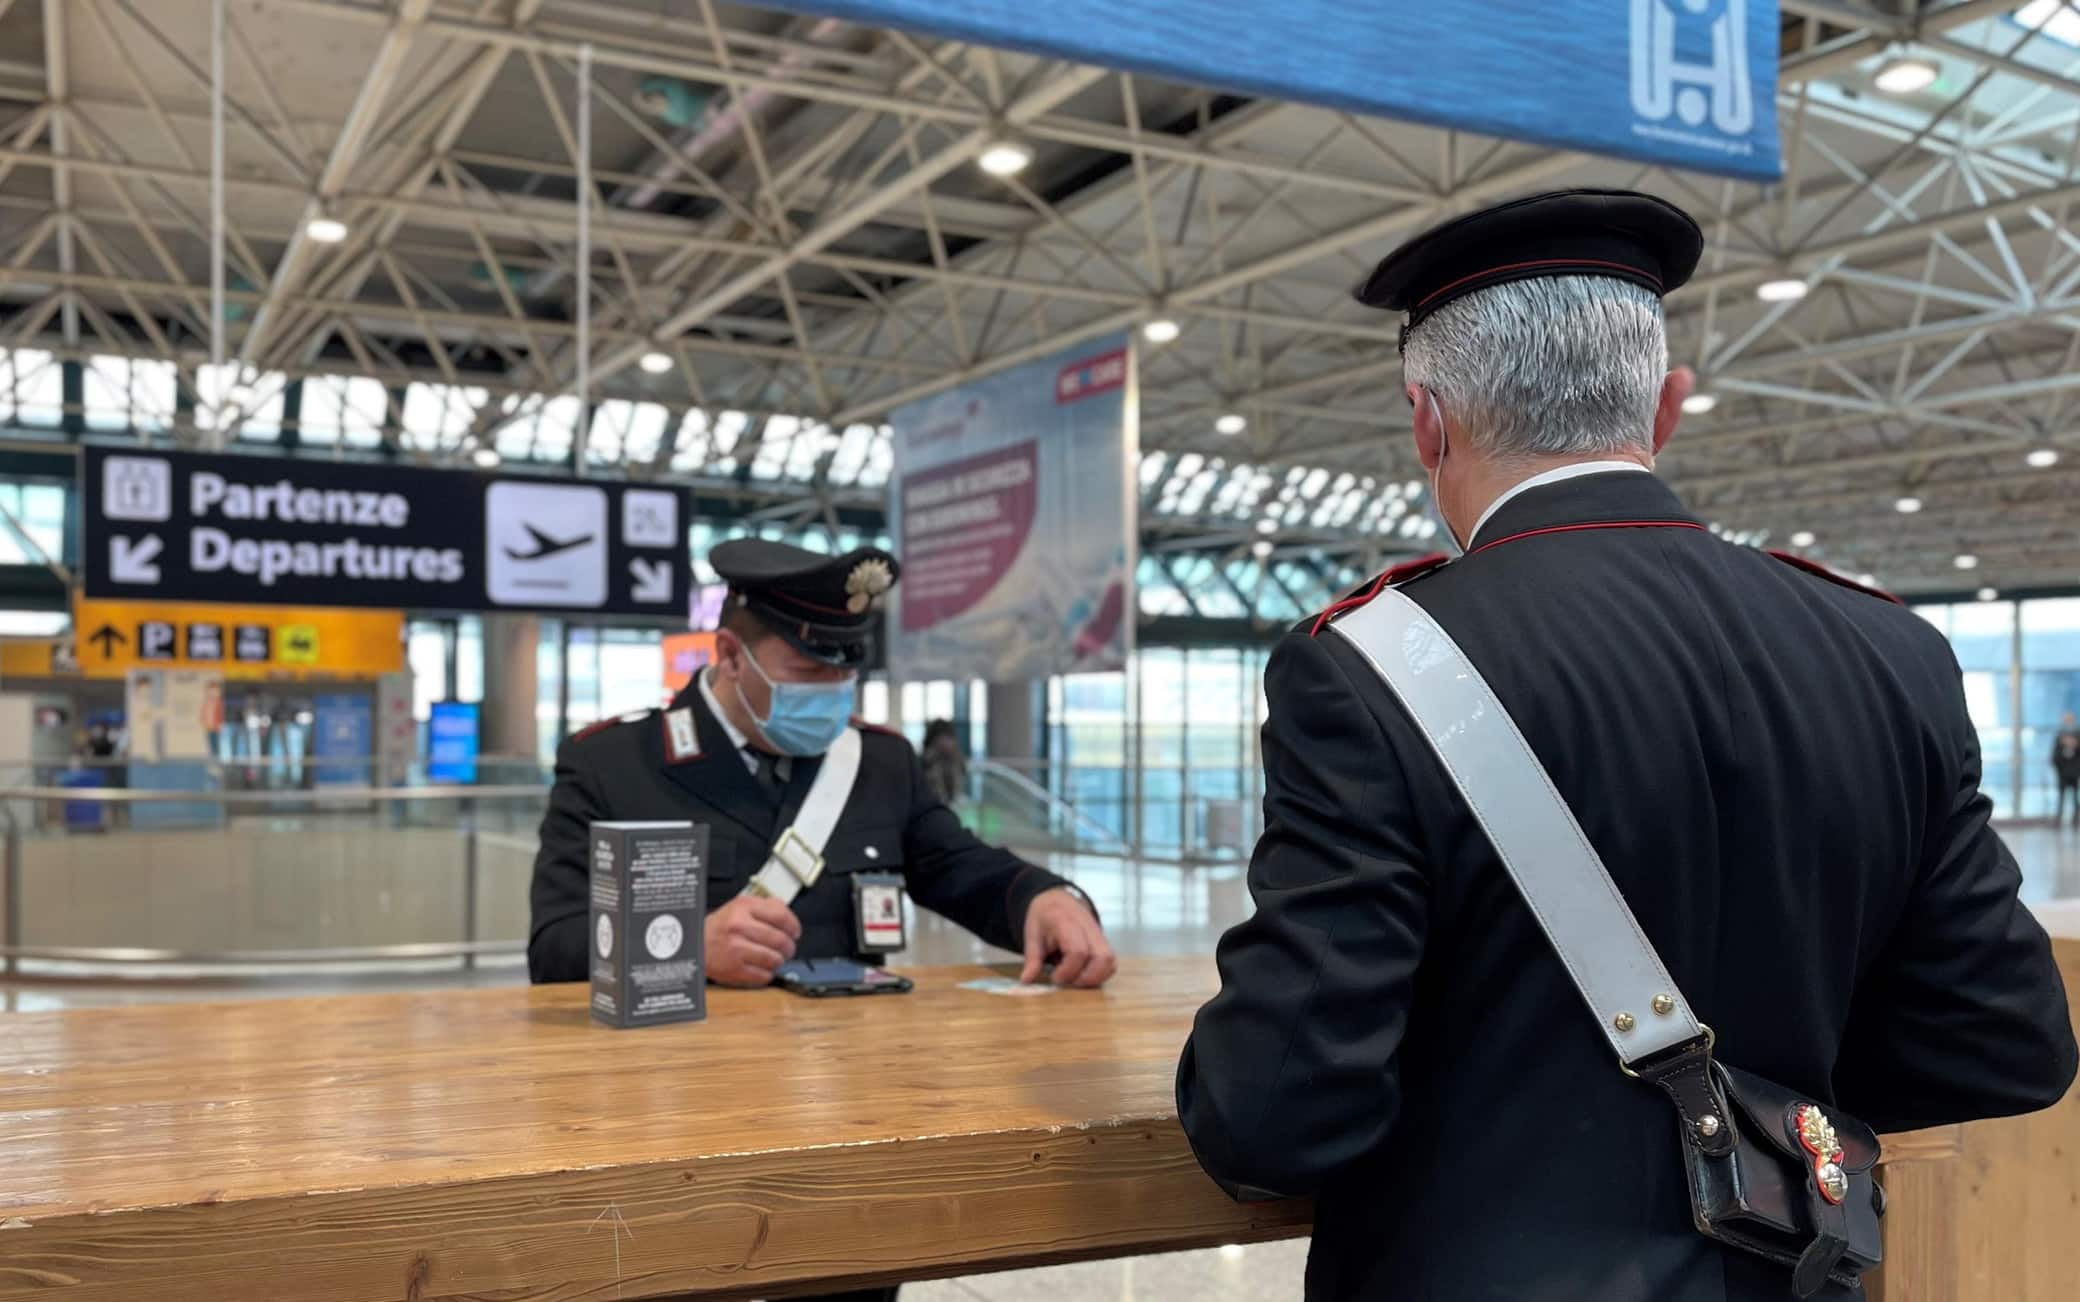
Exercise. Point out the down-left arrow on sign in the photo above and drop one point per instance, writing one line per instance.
(130, 562)
(653, 580)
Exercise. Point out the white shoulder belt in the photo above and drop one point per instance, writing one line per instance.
(797, 858)
(1533, 831)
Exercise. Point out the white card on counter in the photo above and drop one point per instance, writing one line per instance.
(1006, 986)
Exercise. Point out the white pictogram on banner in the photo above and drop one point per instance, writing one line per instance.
(1690, 63)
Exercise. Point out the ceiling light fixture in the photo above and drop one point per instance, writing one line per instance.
(1267, 525)
(1161, 330)
(1261, 548)
(1785, 290)
(1966, 561)
(1906, 75)
(1907, 505)
(1803, 538)
(1004, 158)
(656, 363)
(485, 457)
(1989, 594)
(325, 230)
(1697, 404)
(1232, 423)
(2043, 458)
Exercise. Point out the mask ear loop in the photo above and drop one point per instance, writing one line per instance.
(1444, 447)
(744, 651)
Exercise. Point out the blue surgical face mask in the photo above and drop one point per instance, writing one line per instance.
(806, 718)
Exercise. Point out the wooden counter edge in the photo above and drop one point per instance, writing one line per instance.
(737, 1225)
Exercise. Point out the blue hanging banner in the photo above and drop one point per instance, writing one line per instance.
(1681, 83)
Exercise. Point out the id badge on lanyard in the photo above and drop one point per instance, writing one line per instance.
(877, 913)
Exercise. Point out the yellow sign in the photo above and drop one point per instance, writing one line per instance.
(36, 657)
(113, 637)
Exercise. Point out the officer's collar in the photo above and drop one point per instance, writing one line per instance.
(1588, 499)
(738, 740)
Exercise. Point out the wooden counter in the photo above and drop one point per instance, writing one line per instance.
(1990, 1211)
(495, 1144)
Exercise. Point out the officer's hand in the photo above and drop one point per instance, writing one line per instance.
(1061, 929)
(749, 937)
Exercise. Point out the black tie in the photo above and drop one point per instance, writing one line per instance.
(773, 770)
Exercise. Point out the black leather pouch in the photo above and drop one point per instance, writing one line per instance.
(1776, 1174)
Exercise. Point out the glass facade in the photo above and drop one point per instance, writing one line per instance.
(2021, 664)
(1164, 755)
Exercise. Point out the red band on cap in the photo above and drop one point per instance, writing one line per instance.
(1532, 266)
(805, 605)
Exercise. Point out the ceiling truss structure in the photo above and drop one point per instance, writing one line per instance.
(789, 210)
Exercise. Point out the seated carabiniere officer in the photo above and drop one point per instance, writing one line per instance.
(798, 799)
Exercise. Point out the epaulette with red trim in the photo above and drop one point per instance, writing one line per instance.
(864, 726)
(1816, 568)
(601, 725)
(1392, 577)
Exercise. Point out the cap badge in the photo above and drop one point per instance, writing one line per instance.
(868, 580)
(1817, 1136)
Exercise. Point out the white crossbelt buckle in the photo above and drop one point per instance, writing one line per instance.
(795, 855)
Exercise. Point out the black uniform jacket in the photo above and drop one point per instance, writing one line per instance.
(1778, 771)
(892, 823)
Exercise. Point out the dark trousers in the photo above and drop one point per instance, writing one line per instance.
(2068, 786)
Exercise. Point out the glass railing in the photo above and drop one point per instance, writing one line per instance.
(332, 874)
(266, 773)
(1005, 807)
(1207, 814)
(183, 864)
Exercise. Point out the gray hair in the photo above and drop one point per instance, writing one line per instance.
(1552, 366)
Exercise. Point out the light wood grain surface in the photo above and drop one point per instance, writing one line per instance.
(1990, 1210)
(495, 1144)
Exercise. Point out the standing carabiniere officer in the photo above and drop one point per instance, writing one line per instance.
(1775, 767)
(797, 798)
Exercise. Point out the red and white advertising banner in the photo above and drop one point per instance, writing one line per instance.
(1014, 511)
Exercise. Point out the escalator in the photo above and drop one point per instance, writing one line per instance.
(1005, 807)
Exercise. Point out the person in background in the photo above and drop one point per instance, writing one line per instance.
(2065, 761)
(1775, 766)
(945, 762)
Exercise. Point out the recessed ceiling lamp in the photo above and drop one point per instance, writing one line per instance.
(325, 230)
(1906, 74)
(1803, 538)
(1260, 548)
(1267, 525)
(656, 363)
(1989, 594)
(1697, 404)
(2043, 458)
(1784, 290)
(1232, 423)
(1966, 561)
(1004, 158)
(1907, 505)
(1161, 330)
